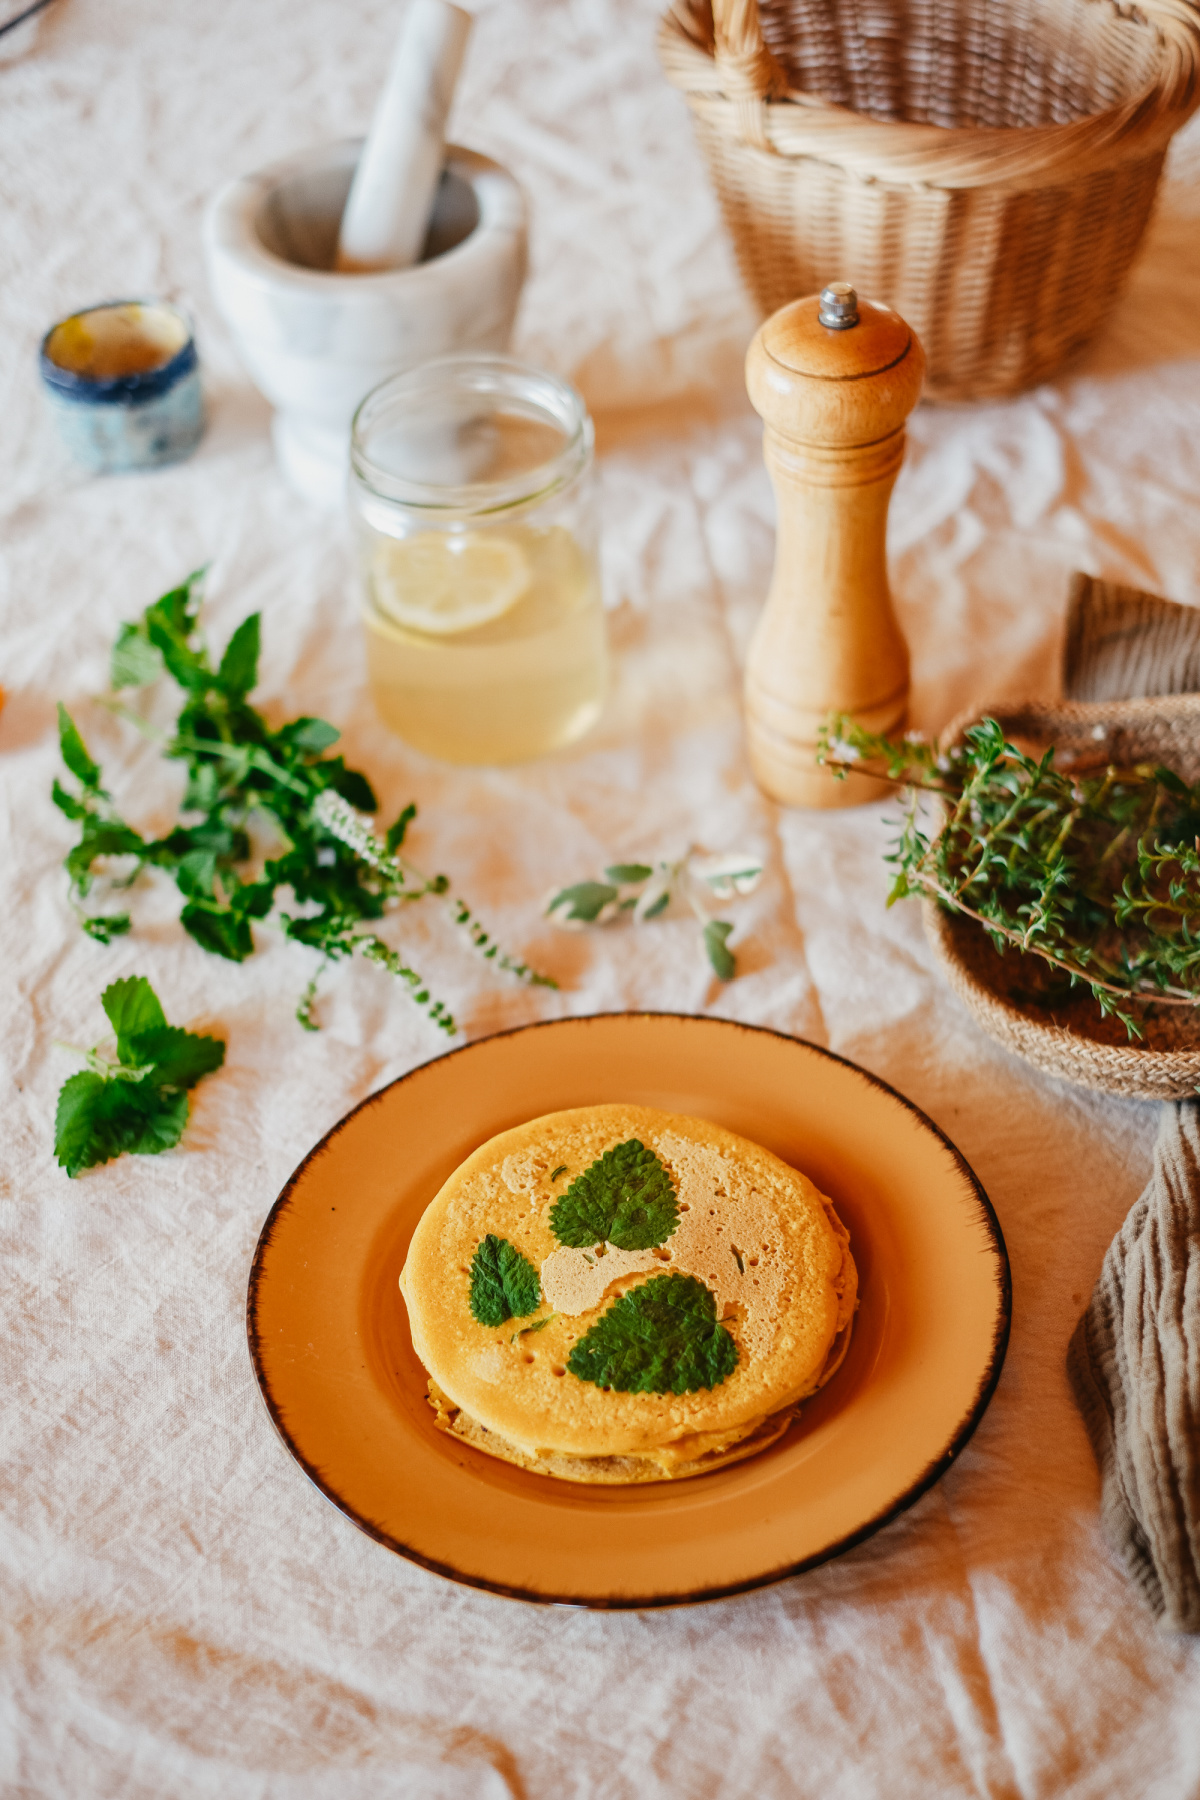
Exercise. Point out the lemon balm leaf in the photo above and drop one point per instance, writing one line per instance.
(624, 1198)
(137, 1104)
(504, 1283)
(176, 1058)
(660, 1338)
(132, 1007)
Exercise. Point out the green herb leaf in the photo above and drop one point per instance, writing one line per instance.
(624, 1198)
(1093, 873)
(137, 1104)
(74, 752)
(721, 958)
(504, 1284)
(629, 874)
(132, 1007)
(104, 927)
(179, 1058)
(238, 766)
(538, 1325)
(312, 736)
(660, 1338)
(219, 930)
(585, 901)
(239, 665)
(561, 1170)
(134, 661)
(397, 833)
(170, 624)
(67, 803)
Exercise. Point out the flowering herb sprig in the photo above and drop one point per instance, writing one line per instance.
(331, 879)
(646, 891)
(1097, 872)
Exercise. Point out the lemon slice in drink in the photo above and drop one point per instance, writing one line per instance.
(443, 583)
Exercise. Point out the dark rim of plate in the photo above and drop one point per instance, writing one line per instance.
(930, 1474)
(118, 390)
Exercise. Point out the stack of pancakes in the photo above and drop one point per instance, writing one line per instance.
(768, 1247)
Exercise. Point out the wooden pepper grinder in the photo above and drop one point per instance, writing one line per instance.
(834, 379)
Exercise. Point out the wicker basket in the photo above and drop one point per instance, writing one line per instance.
(985, 166)
(1069, 1038)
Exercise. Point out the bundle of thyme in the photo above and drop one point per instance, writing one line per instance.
(1097, 873)
(339, 876)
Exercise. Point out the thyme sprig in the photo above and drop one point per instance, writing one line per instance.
(1097, 873)
(330, 871)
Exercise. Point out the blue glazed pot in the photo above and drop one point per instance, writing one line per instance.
(123, 382)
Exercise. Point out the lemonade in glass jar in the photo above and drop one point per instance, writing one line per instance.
(474, 509)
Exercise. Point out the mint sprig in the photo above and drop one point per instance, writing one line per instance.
(329, 882)
(624, 1198)
(504, 1283)
(660, 1338)
(138, 1102)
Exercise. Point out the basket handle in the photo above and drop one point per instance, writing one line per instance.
(750, 74)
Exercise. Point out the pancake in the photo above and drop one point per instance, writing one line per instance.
(682, 1341)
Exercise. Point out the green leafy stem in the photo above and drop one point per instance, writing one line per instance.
(138, 1102)
(646, 892)
(340, 877)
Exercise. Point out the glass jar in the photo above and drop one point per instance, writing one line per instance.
(474, 512)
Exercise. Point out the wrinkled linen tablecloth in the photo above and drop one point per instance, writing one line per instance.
(182, 1614)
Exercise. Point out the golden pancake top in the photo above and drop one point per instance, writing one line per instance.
(766, 1245)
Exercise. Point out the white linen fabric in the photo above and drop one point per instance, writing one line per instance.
(182, 1615)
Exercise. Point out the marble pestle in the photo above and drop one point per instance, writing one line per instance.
(390, 202)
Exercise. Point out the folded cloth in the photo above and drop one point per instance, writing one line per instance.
(1134, 1360)
(1134, 1363)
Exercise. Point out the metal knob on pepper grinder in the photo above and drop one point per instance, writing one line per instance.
(834, 378)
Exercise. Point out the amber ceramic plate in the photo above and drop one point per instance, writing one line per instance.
(330, 1344)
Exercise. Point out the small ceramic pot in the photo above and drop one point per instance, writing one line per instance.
(316, 342)
(123, 383)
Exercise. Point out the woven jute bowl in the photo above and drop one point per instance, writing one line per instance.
(1016, 998)
(987, 167)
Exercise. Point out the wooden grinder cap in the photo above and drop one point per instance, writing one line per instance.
(809, 381)
(834, 378)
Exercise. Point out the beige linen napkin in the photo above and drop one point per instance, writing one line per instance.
(1134, 1364)
(1134, 1359)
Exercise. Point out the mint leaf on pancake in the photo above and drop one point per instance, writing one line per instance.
(504, 1284)
(660, 1338)
(625, 1198)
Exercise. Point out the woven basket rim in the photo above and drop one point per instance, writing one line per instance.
(740, 96)
(1133, 1071)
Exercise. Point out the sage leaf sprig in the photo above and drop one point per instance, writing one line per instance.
(1096, 872)
(328, 880)
(137, 1101)
(646, 891)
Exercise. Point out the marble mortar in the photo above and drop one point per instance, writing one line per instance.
(316, 342)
